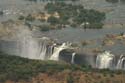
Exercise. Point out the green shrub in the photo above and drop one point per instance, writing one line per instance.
(17, 68)
(1, 13)
(76, 13)
(21, 17)
(52, 20)
(44, 28)
(70, 79)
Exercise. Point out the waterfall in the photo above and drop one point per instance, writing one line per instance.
(35, 48)
(45, 49)
(121, 62)
(38, 48)
(32, 47)
(73, 57)
(55, 55)
(105, 60)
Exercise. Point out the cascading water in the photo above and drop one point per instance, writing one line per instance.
(121, 62)
(45, 49)
(38, 48)
(105, 60)
(31, 47)
(55, 55)
(73, 57)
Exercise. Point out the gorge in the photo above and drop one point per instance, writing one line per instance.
(45, 48)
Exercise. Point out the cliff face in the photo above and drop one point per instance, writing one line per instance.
(74, 77)
(14, 69)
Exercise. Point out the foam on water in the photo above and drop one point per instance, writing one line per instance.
(104, 60)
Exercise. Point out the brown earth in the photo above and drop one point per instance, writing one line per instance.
(67, 76)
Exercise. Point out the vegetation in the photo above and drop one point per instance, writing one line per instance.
(1, 13)
(45, 28)
(115, 1)
(53, 20)
(70, 79)
(112, 1)
(60, 14)
(16, 68)
(29, 18)
(51, 0)
(21, 17)
(76, 15)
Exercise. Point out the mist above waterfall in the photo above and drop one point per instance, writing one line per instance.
(31, 47)
(42, 48)
(27, 44)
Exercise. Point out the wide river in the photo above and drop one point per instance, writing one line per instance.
(115, 14)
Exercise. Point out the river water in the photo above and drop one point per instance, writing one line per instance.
(115, 14)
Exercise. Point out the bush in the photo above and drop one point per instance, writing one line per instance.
(21, 17)
(1, 13)
(44, 28)
(69, 11)
(53, 20)
(70, 79)
(95, 26)
(29, 18)
(16, 68)
(112, 1)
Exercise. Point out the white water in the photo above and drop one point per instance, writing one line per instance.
(73, 57)
(38, 48)
(104, 60)
(45, 49)
(121, 62)
(55, 55)
(30, 47)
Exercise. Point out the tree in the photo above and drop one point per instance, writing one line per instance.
(44, 28)
(53, 20)
(70, 79)
(112, 1)
(29, 18)
(21, 17)
(1, 13)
